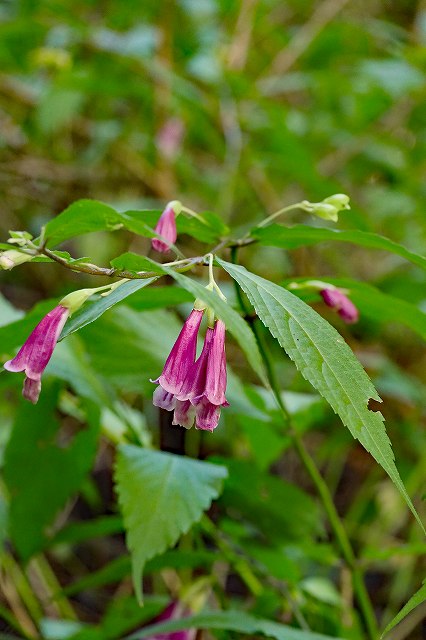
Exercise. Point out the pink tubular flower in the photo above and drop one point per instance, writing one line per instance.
(180, 359)
(33, 356)
(205, 383)
(166, 227)
(337, 300)
(194, 389)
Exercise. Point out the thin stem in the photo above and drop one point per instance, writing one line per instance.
(298, 205)
(193, 214)
(320, 485)
(94, 270)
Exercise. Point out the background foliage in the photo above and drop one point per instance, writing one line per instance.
(238, 108)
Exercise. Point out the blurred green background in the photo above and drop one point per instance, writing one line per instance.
(241, 107)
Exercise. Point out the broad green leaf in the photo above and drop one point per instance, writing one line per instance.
(87, 216)
(302, 236)
(237, 620)
(96, 306)
(416, 600)
(83, 216)
(326, 361)
(161, 496)
(234, 323)
(33, 463)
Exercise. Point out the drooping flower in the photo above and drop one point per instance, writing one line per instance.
(194, 388)
(205, 383)
(166, 227)
(34, 355)
(179, 361)
(337, 300)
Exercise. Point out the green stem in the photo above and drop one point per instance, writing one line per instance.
(298, 205)
(320, 485)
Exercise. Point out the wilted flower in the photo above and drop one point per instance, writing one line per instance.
(34, 355)
(194, 388)
(337, 300)
(166, 227)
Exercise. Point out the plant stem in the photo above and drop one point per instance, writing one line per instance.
(298, 205)
(339, 531)
(94, 270)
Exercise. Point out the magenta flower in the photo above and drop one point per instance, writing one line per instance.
(194, 389)
(337, 300)
(180, 359)
(33, 356)
(166, 227)
(174, 611)
(205, 383)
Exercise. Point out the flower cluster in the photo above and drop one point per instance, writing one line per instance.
(194, 388)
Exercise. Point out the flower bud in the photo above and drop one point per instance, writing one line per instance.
(76, 299)
(338, 200)
(329, 208)
(12, 258)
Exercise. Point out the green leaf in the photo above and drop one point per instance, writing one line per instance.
(159, 297)
(302, 236)
(237, 620)
(81, 217)
(87, 216)
(260, 498)
(417, 599)
(209, 228)
(326, 361)
(34, 462)
(161, 496)
(96, 306)
(233, 321)
(130, 261)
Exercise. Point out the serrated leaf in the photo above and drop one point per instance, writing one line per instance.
(233, 321)
(96, 306)
(237, 620)
(326, 361)
(161, 496)
(417, 599)
(302, 236)
(34, 462)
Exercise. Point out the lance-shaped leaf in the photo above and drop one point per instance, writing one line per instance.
(326, 361)
(276, 235)
(415, 601)
(161, 496)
